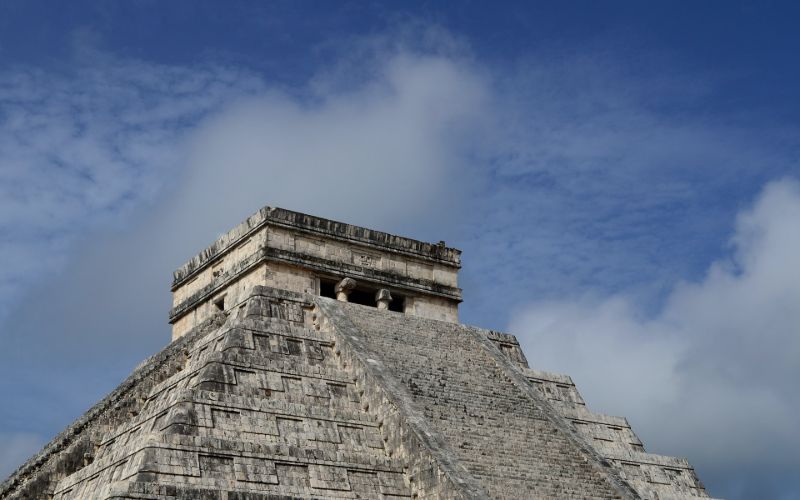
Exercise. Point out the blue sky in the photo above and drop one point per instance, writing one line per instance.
(622, 178)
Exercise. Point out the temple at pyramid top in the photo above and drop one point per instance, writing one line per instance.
(313, 359)
(307, 254)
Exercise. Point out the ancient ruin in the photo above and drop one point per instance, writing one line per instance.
(316, 359)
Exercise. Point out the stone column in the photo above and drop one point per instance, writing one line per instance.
(383, 297)
(343, 289)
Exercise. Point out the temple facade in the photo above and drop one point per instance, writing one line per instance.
(306, 254)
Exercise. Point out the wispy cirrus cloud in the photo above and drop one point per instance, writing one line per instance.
(598, 178)
(84, 147)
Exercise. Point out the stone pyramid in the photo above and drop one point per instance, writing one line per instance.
(278, 393)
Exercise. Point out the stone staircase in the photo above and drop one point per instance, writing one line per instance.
(652, 476)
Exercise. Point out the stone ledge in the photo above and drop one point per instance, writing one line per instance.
(316, 225)
(582, 414)
(548, 376)
(639, 457)
(315, 263)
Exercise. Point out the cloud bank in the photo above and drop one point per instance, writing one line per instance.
(712, 374)
(85, 168)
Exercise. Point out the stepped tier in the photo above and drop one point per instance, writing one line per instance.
(289, 395)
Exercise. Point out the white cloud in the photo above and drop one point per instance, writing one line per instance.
(382, 152)
(84, 148)
(91, 147)
(712, 375)
(599, 177)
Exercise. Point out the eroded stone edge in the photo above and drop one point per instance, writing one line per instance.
(41, 464)
(517, 377)
(463, 484)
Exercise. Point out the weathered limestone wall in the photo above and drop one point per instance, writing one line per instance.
(272, 404)
(312, 225)
(298, 251)
(77, 446)
(432, 308)
(320, 246)
(229, 260)
(232, 291)
(261, 408)
(277, 275)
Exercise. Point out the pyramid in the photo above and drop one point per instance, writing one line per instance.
(316, 359)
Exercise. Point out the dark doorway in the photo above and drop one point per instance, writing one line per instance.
(364, 295)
